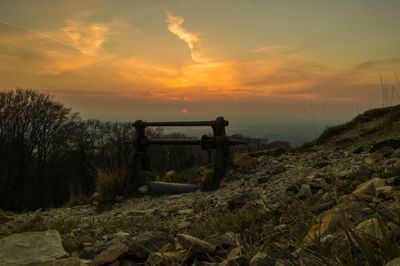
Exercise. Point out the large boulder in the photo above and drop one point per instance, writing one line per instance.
(35, 248)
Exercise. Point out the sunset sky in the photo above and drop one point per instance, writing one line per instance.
(131, 59)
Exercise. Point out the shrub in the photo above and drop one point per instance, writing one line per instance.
(109, 185)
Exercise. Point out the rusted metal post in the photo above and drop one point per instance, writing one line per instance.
(221, 148)
(140, 160)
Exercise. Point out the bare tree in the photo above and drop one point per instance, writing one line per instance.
(36, 137)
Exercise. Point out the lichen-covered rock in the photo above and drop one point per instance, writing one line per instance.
(32, 248)
(371, 227)
(367, 190)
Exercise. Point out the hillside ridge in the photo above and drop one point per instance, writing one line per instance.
(334, 202)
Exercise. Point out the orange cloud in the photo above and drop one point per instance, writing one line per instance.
(89, 38)
(269, 48)
(190, 38)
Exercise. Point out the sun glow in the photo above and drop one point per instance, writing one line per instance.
(184, 110)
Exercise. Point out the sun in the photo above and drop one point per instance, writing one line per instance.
(184, 110)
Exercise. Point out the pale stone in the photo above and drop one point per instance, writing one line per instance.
(261, 259)
(31, 248)
(385, 192)
(167, 258)
(370, 227)
(110, 254)
(395, 262)
(194, 244)
(367, 190)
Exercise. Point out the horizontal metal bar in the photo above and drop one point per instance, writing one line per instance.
(177, 123)
(186, 142)
(173, 141)
(236, 142)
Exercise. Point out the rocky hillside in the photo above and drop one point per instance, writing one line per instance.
(335, 201)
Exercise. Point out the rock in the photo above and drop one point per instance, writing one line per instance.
(194, 244)
(239, 200)
(221, 241)
(167, 258)
(318, 184)
(385, 151)
(367, 190)
(328, 196)
(261, 259)
(74, 261)
(121, 235)
(327, 220)
(377, 156)
(327, 240)
(32, 248)
(238, 260)
(263, 179)
(395, 262)
(394, 181)
(96, 197)
(143, 189)
(110, 254)
(277, 169)
(170, 176)
(358, 150)
(395, 154)
(370, 227)
(304, 192)
(323, 206)
(361, 173)
(393, 143)
(321, 163)
(234, 253)
(4, 217)
(253, 182)
(151, 241)
(115, 263)
(385, 192)
(243, 160)
(127, 263)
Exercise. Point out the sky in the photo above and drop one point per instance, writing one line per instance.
(195, 59)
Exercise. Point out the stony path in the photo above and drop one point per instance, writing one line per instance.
(265, 182)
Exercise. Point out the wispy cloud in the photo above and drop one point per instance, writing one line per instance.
(87, 38)
(269, 48)
(190, 38)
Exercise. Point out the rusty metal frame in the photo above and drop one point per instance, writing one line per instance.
(219, 142)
